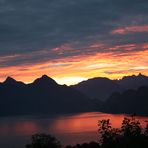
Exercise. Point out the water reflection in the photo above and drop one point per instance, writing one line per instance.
(70, 129)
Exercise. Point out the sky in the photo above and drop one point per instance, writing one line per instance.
(73, 40)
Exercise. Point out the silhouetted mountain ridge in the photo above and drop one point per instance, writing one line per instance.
(133, 82)
(43, 96)
(98, 88)
(11, 81)
(44, 80)
(130, 101)
(101, 88)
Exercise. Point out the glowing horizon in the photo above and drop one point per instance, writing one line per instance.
(72, 70)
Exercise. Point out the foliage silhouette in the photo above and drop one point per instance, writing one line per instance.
(85, 145)
(131, 127)
(44, 141)
(108, 134)
(130, 135)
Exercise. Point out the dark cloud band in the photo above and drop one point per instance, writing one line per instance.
(33, 26)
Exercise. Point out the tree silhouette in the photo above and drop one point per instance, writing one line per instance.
(129, 136)
(108, 134)
(104, 129)
(131, 127)
(43, 141)
(85, 145)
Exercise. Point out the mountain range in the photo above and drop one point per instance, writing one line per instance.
(42, 96)
(45, 96)
(101, 88)
(128, 102)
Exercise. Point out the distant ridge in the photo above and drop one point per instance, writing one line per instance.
(134, 81)
(101, 88)
(130, 101)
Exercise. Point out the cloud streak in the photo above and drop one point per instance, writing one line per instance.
(130, 29)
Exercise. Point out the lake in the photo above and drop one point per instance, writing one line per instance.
(15, 132)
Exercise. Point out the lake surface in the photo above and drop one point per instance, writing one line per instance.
(15, 132)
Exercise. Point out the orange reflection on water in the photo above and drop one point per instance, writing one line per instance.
(19, 127)
(69, 129)
(76, 123)
(27, 127)
(88, 122)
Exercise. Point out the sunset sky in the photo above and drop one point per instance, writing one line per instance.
(73, 40)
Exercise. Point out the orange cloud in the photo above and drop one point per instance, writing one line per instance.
(127, 47)
(71, 70)
(99, 45)
(130, 29)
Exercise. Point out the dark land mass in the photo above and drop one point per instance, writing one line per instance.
(101, 88)
(44, 96)
(98, 88)
(128, 102)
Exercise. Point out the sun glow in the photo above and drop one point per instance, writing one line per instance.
(69, 80)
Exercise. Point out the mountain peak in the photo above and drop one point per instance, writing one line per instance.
(10, 80)
(45, 80)
(141, 75)
(45, 77)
